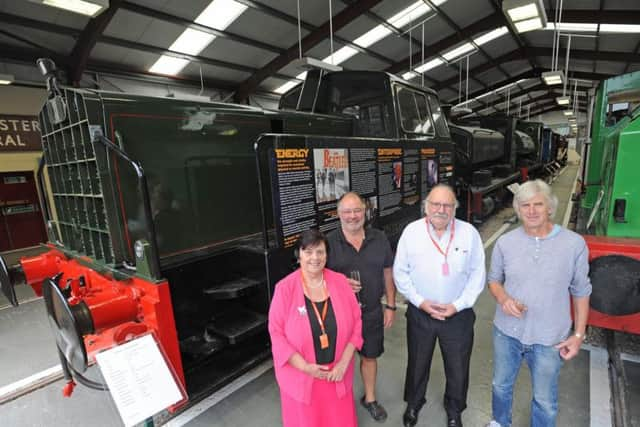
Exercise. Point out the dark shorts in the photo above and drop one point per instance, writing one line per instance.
(373, 333)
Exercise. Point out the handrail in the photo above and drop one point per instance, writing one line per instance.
(154, 262)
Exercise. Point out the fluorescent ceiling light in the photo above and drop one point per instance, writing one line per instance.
(410, 75)
(459, 51)
(568, 112)
(89, 7)
(6, 79)
(491, 35)
(523, 12)
(409, 14)
(573, 27)
(551, 78)
(429, 65)
(563, 100)
(528, 25)
(619, 28)
(340, 55)
(219, 14)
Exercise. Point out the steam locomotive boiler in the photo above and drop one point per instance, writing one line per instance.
(176, 218)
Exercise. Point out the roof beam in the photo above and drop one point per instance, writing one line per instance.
(23, 56)
(338, 21)
(88, 38)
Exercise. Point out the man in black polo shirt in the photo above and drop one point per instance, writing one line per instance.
(367, 251)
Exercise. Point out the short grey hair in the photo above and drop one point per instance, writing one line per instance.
(445, 186)
(531, 189)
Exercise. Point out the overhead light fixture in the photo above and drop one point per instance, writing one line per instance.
(6, 79)
(429, 65)
(410, 75)
(563, 100)
(568, 112)
(309, 63)
(551, 78)
(90, 8)
(525, 15)
(491, 35)
(459, 52)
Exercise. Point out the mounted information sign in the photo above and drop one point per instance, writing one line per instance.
(309, 174)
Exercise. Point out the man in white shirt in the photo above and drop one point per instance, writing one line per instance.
(439, 268)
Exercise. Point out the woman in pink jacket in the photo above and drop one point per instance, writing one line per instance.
(315, 328)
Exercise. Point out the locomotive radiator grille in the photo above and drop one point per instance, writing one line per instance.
(76, 186)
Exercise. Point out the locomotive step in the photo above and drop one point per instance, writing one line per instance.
(237, 325)
(232, 289)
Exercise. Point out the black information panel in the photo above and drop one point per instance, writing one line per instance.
(309, 174)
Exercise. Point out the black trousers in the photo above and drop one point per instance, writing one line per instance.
(455, 337)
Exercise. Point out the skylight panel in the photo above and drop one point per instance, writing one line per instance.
(285, 87)
(491, 35)
(191, 42)
(168, 65)
(340, 55)
(219, 15)
(523, 12)
(370, 37)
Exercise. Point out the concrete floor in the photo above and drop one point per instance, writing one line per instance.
(27, 347)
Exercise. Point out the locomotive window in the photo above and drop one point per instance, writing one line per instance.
(438, 117)
(414, 112)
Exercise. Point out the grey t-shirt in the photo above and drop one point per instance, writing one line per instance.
(542, 273)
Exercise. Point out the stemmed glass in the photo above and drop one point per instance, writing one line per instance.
(355, 276)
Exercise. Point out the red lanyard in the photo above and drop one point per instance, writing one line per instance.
(324, 338)
(445, 265)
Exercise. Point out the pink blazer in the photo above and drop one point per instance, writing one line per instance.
(291, 332)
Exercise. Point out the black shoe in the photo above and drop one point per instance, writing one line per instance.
(455, 421)
(410, 417)
(375, 409)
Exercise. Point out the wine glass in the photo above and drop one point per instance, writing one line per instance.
(355, 275)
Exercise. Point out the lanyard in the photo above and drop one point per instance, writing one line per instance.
(445, 265)
(324, 338)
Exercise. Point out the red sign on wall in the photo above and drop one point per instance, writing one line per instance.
(19, 133)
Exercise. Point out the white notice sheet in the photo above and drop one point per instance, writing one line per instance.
(139, 379)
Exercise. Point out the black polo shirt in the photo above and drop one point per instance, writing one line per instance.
(374, 256)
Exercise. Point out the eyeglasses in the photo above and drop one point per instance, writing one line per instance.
(447, 206)
(356, 211)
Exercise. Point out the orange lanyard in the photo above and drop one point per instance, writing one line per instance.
(445, 265)
(324, 338)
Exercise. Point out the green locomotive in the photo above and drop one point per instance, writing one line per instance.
(609, 210)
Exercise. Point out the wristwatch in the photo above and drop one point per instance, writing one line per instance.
(389, 307)
(580, 336)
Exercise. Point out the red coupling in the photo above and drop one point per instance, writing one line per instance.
(67, 390)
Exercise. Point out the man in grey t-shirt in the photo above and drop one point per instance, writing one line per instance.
(536, 270)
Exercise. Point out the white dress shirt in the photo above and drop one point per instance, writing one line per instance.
(418, 267)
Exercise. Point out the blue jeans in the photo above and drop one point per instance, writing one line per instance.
(544, 364)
